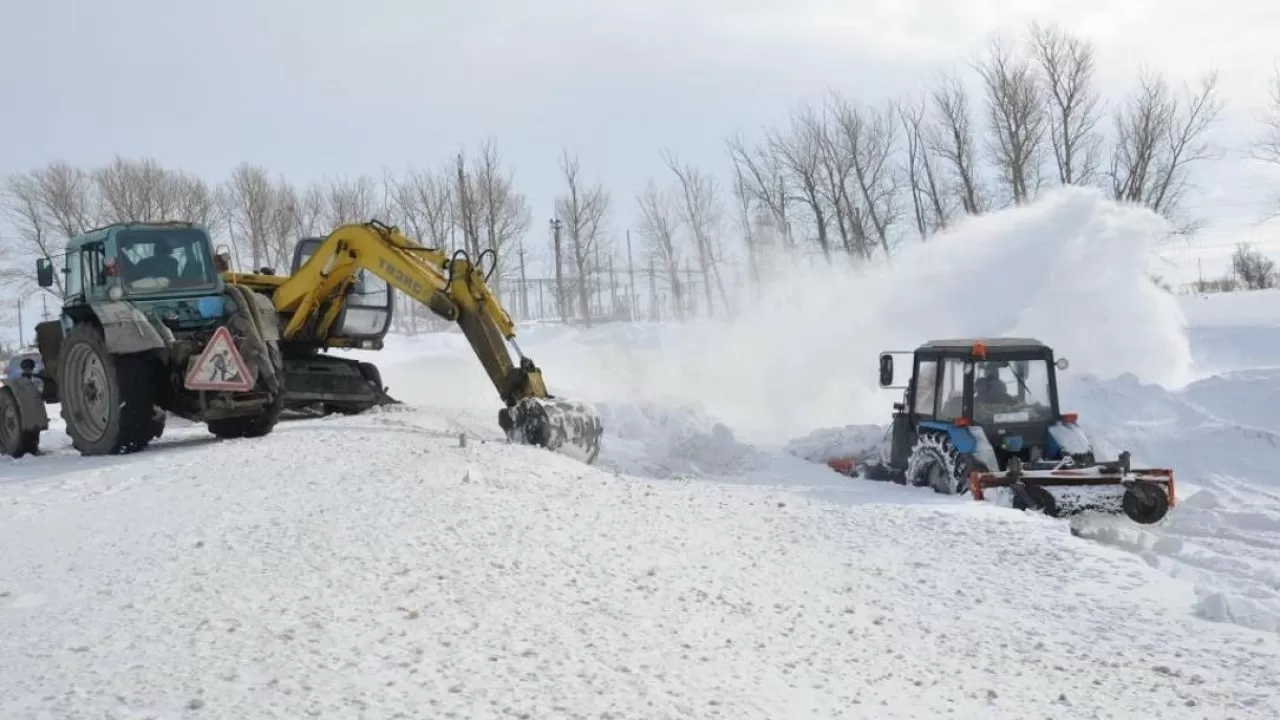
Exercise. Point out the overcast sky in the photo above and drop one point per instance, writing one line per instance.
(318, 88)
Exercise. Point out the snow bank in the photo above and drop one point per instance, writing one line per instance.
(657, 441)
(1233, 331)
(861, 442)
(397, 574)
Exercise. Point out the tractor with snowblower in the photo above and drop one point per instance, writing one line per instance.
(981, 417)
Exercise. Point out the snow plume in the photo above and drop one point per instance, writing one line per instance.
(1069, 269)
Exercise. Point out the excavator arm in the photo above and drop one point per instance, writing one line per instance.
(453, 287)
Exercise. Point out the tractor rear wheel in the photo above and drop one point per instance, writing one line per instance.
(108, 401)
(260, 425)
(14, 441)
(934, 462)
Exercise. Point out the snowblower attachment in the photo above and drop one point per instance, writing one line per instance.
(564, 426)
(1060, 489)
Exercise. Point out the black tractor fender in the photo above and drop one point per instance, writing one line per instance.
(125, 329)
(31, 410)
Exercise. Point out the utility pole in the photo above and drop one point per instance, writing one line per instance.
(524, 287)
(21, 340)
(556, 224)
(631, 272)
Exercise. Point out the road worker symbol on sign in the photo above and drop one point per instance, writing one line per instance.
(220, 367)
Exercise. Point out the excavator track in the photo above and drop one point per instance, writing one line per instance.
(568, 427)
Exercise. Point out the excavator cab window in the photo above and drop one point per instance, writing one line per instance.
(367, 313)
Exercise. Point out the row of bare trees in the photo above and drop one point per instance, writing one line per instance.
(857, 178)
(470, 203)
(846, 181)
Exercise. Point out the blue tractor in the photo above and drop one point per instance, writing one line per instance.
(147, 327)
(980, 416)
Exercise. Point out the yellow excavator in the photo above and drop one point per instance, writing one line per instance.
(341, 294)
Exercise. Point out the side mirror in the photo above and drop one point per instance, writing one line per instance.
(1062, 364)
(886, 370)
(28, 366)
(44, 272)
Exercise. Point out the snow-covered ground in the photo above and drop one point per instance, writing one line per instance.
(371, 567)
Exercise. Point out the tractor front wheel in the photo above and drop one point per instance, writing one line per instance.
(108, 401)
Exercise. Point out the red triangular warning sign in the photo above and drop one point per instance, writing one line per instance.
(220, 367)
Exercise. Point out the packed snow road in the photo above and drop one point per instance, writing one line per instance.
(371, 567)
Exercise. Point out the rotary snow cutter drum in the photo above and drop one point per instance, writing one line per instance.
(1143, 495)
(567, 427)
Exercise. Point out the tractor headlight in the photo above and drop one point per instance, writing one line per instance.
(114, 293)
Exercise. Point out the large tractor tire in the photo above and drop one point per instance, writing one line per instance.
(108, 401)
(14, 441)
(934, 462)
(252, 426)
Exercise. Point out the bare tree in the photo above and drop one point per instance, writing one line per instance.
(139, 190)
(1017, 120)
(835, 168)
(425, 201)
(251, 204)
(745, 217)
(1158, 138)
(951, 137)
(799, 152)
(350, 200)
(503, 213)
(931, 206)
(1266, 147)
(867, 138)
(196, 201)
(1067, 64)
(583, 210)
(702, 213)
(47, 206)
(659, 226)
(765, 177)
(1254, 270)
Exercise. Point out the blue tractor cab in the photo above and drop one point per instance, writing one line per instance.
(972, 404)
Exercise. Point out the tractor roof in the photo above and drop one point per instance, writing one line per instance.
(101, 233)
(999, 343)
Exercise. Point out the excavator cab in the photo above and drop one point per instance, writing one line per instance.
(365, 317)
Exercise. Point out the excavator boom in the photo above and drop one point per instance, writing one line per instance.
(316, 299)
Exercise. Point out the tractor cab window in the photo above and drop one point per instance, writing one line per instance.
(155, 260)
(75, 275)
(93, 265)
(1011, 391)
(951, 394)
(926, 388)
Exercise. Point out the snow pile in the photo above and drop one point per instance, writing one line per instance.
(860, 442)
(656, 441)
